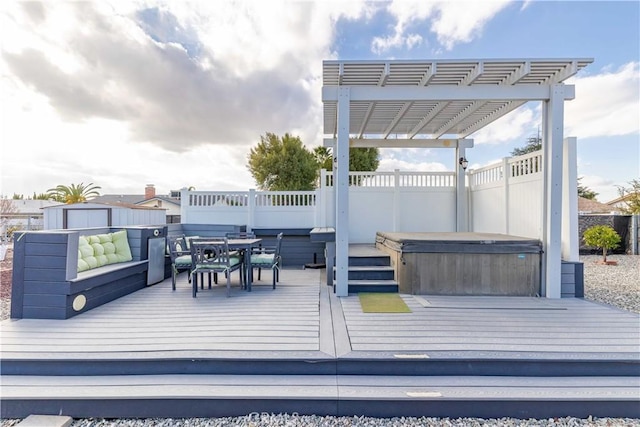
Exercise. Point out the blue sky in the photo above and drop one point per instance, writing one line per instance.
(129, 93)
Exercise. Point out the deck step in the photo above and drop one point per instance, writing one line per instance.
(369, 260)
(178, 396)
(381, 286)
(370, 272)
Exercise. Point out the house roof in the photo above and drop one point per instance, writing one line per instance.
(423, 98)
(118, 198)
(93, 204)
(131, 199)
(163, 199)
(619, 199)
(592, 206)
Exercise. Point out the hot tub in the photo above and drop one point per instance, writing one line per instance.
(463, 263)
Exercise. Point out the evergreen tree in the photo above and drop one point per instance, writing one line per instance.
(282, 164)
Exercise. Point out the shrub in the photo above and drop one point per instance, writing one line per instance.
(602, 236)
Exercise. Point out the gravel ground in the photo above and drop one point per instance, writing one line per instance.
(618, 286)
(292, 420)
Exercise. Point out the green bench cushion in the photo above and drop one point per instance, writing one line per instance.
(103, 249)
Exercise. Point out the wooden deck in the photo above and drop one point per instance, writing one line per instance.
(301, 349)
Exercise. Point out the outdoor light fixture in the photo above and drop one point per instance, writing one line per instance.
(463, 162)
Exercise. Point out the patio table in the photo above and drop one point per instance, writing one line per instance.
(243, 245)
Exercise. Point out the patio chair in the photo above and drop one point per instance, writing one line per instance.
(213, 257)
(268, 257)
(180, 258)
(241, 235)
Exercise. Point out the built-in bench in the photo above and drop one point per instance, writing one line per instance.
(47, 283)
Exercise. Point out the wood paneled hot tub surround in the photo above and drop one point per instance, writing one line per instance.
(463, 263)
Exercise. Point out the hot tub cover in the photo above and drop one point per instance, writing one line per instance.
(457, 243)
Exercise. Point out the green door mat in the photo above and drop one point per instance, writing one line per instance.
(382, 303)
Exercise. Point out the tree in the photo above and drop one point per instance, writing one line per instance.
(282, 164)
(534, 143)
(585, 192)
(73, 193)
(631, 197)
(601, 236)
(361, 159)
(7, 209)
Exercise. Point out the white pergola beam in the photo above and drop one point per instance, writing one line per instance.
(491, 117)
(397, 118)
(365, 119)
(568, 71)
(428, 75)
(519, 74)
(472, 108)
(385, 74)
(473, 75)
(403, 143)
(426, 119)
(441, 93)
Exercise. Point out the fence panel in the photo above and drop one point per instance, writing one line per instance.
(284, 209)
(508, 197)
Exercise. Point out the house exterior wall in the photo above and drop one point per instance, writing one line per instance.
(89, 215)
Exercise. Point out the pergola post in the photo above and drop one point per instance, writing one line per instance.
(341, 188)
(461, 190)
(570, 237)
(553, 157)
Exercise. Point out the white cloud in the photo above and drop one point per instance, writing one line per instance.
(606, 188)
(161, 90)
(453, 22)
(391, 164)
(515, 125)
(606, 104)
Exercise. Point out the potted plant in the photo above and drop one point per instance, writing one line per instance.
(602, 236)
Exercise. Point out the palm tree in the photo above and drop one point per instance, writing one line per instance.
(74, 193)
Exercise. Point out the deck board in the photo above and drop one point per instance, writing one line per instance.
(494, 324)
(448, 357)
(157, 320)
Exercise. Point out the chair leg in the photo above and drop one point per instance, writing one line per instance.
(228, 284)
(194, 285)
(173, 280)
(259, 271)
(275, 275)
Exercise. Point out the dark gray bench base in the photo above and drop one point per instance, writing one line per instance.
(89, 290)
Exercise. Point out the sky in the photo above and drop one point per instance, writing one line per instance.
(123, 94)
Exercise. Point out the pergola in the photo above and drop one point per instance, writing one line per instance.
(441, 103)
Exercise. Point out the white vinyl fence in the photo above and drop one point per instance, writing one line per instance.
(388, 201)
(507, 197)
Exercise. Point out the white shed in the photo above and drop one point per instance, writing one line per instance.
(88, 215)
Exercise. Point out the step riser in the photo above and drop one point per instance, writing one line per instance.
(354, 289)
(383, 261)
(371, 275)
(329, 366)
(172, 407)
